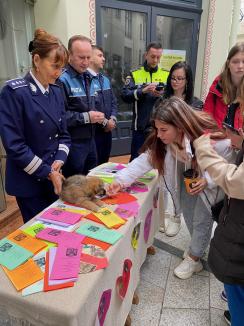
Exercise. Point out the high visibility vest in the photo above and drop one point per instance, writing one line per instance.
(141, 76)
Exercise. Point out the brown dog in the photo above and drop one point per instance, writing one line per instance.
(81, 191)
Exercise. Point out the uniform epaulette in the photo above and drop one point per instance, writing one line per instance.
(16, 83)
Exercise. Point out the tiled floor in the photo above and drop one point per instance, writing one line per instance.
(166, 300)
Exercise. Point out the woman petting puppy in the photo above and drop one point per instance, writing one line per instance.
(169, 150)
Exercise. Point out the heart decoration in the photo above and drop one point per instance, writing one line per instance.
(135, 236)
(103, 307)
(147, 225)
(123, 281)
(155, 198)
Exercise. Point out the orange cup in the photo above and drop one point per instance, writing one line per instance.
(189, 183)
(190, 177)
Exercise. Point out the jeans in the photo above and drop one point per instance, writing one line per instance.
(235, 296)
(198, 219)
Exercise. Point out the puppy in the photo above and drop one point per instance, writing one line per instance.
(81, 191)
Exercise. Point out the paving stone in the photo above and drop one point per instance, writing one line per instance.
(216, 287)
(191, 293)
(217, 317)
(186, 317)
(147, 312)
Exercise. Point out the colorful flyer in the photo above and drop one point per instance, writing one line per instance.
(24, 275)
(123, 281)
(103, 307)
(67, 261)
(27, 241)
(59, 236)
(127, 210)
(12, 255)
(101, 244)
(94, 255)
(135, 236)
(52, 255)
(147, 225)
(119, 198)
(99, 233)
(147, 177)
(59, 215)
(108, 217)
(137, 187)
(48, 287)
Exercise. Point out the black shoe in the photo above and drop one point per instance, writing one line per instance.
(227, 317)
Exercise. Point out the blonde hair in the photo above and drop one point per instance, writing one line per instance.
(229, 89)
(176, 112)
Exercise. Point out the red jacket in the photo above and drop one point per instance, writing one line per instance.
(215, 106)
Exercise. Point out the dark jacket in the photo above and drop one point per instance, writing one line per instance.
(226, 255)
(34, 134)
(79, 100)
(105, 100)
(142, 103)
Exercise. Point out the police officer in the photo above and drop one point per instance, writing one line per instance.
(142, 88)
(80, 107)
(33, 128)
(105, 102)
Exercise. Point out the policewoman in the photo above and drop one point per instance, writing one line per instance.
(142, 88)
(33, 128)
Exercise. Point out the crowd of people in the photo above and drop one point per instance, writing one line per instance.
(57, 121)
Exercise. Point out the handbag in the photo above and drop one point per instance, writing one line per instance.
(216, 208)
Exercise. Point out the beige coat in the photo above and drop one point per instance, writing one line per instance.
(228, 176)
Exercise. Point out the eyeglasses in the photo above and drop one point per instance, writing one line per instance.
(178, 78)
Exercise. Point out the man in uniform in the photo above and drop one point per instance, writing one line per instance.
(80, 107)
(105, 102)
(142, 88)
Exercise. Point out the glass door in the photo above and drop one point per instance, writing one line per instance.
(123, 35)
(176, 30)
(124, 28)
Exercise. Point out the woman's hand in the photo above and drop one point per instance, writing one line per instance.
(56, 166)
(198, 186)
(113, 188)
(57, 180)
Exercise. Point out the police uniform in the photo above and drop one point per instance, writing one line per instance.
(34, 135)
(105, 102)
(142, 103)
(79, 99)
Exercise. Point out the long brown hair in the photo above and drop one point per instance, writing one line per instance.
(176, 112)
(43, 43)
(229, 89)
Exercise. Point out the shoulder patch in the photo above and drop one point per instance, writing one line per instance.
(16, 83)
(127, 80)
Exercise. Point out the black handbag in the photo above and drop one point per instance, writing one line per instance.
(216, 210)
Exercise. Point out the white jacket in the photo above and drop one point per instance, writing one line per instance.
(141, 165)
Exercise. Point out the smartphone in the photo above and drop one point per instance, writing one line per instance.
(234, 130)
(159, 88)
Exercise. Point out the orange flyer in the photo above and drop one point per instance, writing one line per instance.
(119, 198)
(27, 241)
(24, 275)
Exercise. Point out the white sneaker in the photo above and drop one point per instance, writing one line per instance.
(173, 226)
(187, 267)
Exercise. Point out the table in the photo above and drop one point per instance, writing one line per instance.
(77, 306)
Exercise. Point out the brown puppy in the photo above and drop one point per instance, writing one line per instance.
(81, 191)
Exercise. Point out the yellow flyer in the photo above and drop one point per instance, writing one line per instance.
(108, 217)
